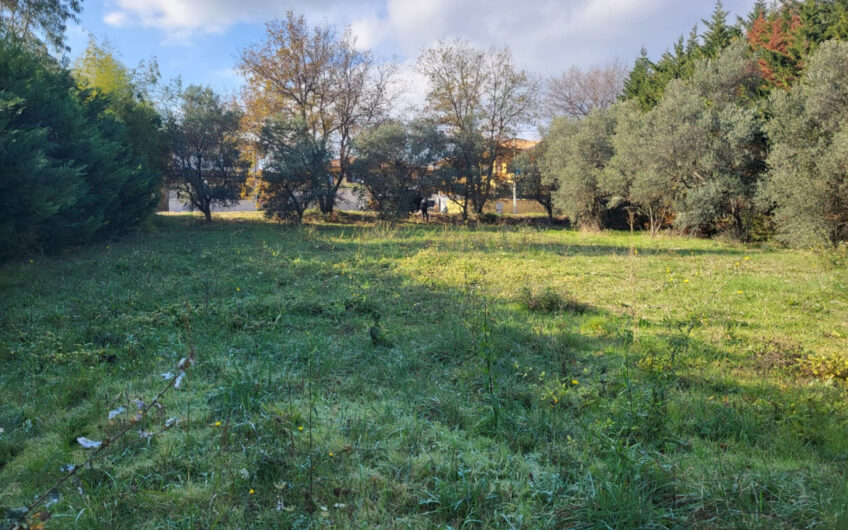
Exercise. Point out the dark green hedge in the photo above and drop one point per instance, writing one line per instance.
(68, 172)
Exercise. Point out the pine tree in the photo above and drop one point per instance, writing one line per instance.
(718, 34)
(836, 25)
(760, 10)
(638, 84)
(693, 44)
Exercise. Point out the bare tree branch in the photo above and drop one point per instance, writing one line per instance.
(576, 93)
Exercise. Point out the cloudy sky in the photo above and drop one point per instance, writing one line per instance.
(200, 39)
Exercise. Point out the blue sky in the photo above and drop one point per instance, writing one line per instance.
(199, 40)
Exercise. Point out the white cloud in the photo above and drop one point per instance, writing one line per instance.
(118, 19)
(182, 14)
(215, 16)
(410, 87)
(546, 36)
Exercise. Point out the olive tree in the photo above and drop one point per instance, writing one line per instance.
(807, 182)
(206, 166)
(575, 159)
(705, 145)
(630, 177)
(296, 163)
(394, 163)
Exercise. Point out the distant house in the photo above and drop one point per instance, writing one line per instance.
(512, 147)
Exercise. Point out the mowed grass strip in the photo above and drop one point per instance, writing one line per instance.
(525, 378)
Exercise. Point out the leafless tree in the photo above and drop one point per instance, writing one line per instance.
(576, 93)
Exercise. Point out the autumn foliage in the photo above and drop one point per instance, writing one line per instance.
(780, 46)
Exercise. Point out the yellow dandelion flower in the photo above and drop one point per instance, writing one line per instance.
(686, 280)
(300, 428)
(747, 258)
(330, 453)
(736, 264)
(251, 492)
(238, 288)
(217, 424)
(739, 292)
(574, 381)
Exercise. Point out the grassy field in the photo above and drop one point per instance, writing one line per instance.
(521, 378)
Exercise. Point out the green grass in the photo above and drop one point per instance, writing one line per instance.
(514, 393)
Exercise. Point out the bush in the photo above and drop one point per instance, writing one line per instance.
(489, 218)
(67, 175)
(549, 301)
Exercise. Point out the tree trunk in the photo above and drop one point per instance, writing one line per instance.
(652, 219)
(328, 200)
(203, 204)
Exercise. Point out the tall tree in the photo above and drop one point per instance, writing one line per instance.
(207, 166)
(781, 44)
(639, 83)
(482, 98)
(47, 19)
(718, 34)
(836, 26)
(578, 92)
(807, 182)
(647, 81)
(320, 80)
(66, 174)
(127, 91)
